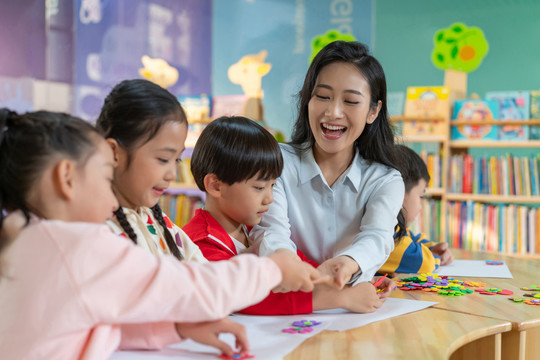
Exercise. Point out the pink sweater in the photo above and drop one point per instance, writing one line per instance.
(77, 291)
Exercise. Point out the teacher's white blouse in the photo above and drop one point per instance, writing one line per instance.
(354, 217)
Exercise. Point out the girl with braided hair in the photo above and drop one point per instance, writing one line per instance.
(146, 127)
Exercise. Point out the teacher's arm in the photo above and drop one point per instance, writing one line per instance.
(274, 230)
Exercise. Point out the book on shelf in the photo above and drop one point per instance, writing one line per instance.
(475, 110)
(183, 173)
(533, 165)
(526, 176)
(534, 131)
(181, 208)
(513, 105)
(427, 102)
(531, 233)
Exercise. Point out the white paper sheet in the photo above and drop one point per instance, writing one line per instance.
(475, 268)
(265, 334)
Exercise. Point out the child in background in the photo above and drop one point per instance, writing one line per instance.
(71, 289)
(146, 127)
(414, 253)
(236, 162)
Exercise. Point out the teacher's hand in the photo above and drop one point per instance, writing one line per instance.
(340, 268)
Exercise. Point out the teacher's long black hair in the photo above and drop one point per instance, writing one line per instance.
(376, 143)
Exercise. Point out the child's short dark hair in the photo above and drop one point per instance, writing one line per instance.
(411, 166)
(235, 149)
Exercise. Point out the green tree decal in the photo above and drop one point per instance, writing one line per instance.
(321, 41)
(459, 48)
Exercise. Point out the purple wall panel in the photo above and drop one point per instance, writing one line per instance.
(112, 36)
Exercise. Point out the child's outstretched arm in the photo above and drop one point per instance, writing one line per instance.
(340, 269)
(297, 274)
(360, 298)
(123, 283)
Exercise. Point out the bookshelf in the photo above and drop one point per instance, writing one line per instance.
(441, 143)
(505, 219)
(448, 148)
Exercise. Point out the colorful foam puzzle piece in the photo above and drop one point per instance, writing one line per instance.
(306, 323)
(494, 291)
(236, 356)
(442, 285)
(494, 262)
(298, 330)
(532, 288)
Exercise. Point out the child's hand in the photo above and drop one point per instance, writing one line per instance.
(362, 298)
(442, 250)
(385, 288)
(296, 274)
(340, 268)
(207, 333)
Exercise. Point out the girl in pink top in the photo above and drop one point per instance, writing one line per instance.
(71, 289)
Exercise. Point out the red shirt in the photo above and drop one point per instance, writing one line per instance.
(216, 245)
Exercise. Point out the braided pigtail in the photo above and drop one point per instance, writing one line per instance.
(173, 247)
(124, 223)
(400, 229)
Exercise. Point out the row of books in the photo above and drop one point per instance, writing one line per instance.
(183, 172)
(180, 208)
(512, 229)
(496, 175)
(434, 166)
(427, 221)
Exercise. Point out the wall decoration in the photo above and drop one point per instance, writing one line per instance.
(285, 29)
(458, 50)
(321, 41)
(111, 37)
(158, 72)
(248, 73)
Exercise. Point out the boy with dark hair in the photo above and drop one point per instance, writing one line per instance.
(413, 253)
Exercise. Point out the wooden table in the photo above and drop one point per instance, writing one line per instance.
(422, 335)
(523, 342)
(473, 326)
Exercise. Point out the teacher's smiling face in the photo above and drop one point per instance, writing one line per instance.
(339, 109)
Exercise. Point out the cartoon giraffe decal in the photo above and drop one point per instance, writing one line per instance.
(248, 73)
